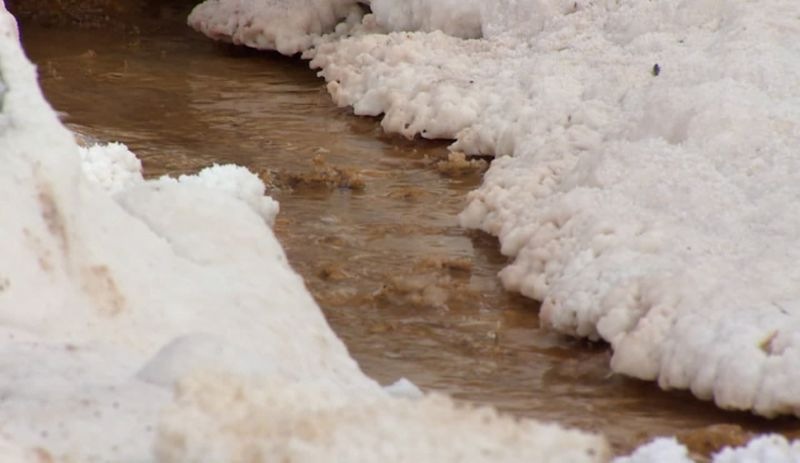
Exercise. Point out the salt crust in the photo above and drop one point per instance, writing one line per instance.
(111, 166)
(660, 450)
(773, 449)
(12, 453)
(115, 290)
(292, 26)
(116, 168)
(645, 182)
(767, 449)
(288, 26)
(461, 18)
(273, 421)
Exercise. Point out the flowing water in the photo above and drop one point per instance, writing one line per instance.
(367, 219)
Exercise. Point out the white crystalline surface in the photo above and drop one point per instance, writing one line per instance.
(766, 449)
(292, 26)
(14, 454)
(661, 450)
(288, 26)
(773, 449)
(116, 291)
(236, 181)
(282, 423)
(646, 182)
(460, 18)
(111, 166)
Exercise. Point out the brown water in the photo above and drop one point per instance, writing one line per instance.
(368, 220)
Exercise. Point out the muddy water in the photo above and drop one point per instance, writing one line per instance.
(368, 220)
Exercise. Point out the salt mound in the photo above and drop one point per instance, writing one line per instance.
(115, 289)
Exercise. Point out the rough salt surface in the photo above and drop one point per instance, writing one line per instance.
(661, 450)
(288, 26)
(115, 290)
(112, 166)
(773, 449)
(646, 182)
(767, 449)
(115, 168)
(245, 417)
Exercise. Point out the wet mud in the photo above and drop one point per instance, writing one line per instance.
(121, 14)
(369, 221)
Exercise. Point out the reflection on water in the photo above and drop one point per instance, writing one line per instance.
(410, 292)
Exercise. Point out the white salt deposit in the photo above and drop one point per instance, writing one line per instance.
(774, 449)
(111, 166)
(660, 450)
(14, 454)
(405, 389)
(288, 26)
(455, 17)
(115, 290)
(767, 449)
(305, 423)
(646, 179)
(238, 182)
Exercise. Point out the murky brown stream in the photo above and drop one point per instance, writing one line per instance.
(368, 220)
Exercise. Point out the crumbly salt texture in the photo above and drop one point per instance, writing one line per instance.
(763, 449)
(265, 421)
(660, 450)
(288, 26)
(109, 302)
(645, 179)
(773, 449)
(461, 18)
(404, 388)
(238, 182)
(111, 166)
(115, 168)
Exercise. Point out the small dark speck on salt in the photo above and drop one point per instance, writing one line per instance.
(656, 69)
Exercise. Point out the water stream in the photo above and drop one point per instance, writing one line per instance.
(367, 219)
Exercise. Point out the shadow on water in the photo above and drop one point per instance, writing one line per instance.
(367, 219)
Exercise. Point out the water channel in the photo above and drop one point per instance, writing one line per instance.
(369, 220)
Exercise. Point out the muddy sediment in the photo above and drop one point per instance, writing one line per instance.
(368, 220)
(91, 13)
(458, 164)
(319, 176)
